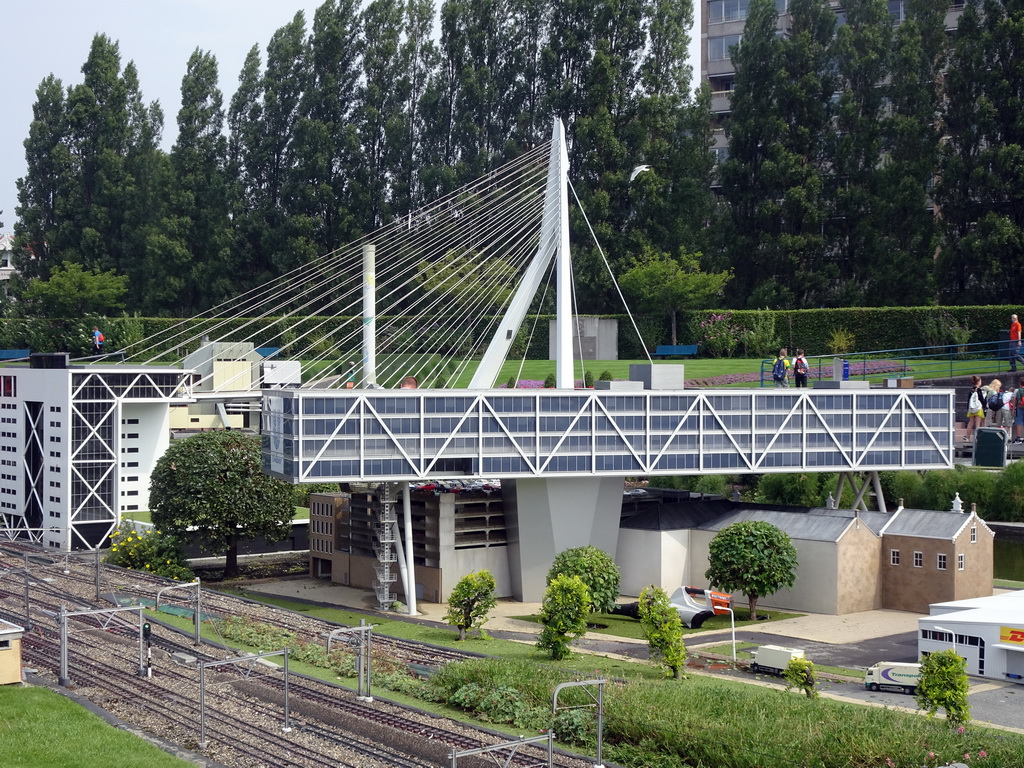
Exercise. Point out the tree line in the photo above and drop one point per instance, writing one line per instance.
(869, 164)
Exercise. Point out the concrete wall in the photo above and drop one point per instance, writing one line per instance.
(817, 578)
(545, 516)
(976, 578)
(653, 557)
(858, 587)
(466, 561)
(906, 587)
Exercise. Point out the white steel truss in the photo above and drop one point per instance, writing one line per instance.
(378, 435)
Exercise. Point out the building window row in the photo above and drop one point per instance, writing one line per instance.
(718, 47)
(940, 560)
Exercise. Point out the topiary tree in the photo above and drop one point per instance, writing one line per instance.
(549, 381)
(800, 674)
(663, 629)
(564, 614)
(944, 684)
(752, 557)
(470, 602)
(596, 569)
(212, 485)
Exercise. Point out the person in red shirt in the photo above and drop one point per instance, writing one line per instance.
(1015, 343)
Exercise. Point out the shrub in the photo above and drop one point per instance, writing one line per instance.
(800, 674)
(974, 486)
(605, 376)
(1008, 496)
(595, 568)
(150, 551)
(760, 339)
(470, 601)
(564, 614)
(663, 629)
(944, 684)
(588, 379)
(718, 336)
(549, 381)
(841, 341)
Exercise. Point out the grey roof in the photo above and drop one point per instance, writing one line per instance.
(927, 523)
(875, 521)
(807, 525)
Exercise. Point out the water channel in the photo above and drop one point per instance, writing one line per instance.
(1008, 557)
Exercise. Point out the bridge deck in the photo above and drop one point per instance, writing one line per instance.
(368, 435)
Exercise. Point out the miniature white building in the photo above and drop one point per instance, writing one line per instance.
(987, 631)
(78, 444)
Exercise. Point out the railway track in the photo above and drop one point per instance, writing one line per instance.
(244, 711)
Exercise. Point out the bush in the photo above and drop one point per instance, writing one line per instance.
(800, 674)
(549, 381)
(564, 614)
(944, 685)
(149, 551)
(470, 601)
(761, 339)
(718, 336)
(596, 569)
(663, 629)
(1007, 501)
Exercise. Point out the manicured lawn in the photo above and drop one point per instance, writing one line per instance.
(42, 729)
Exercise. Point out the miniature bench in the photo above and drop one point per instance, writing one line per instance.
(15, 354)
(668, 350)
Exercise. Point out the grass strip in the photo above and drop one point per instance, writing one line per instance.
(42, 729)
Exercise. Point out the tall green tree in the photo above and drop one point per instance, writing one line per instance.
(775, 177)
(49, 163)
(981, 193)
(73, 292)
(212, 485)
(318, 192)
(188, 254)
(855, 227)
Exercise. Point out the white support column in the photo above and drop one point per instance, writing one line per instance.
(410, 567)
(563, 321)
(369, 314)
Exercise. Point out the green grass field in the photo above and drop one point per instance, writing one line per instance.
(42, 729)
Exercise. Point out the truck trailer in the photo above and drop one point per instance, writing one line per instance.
(893, 676)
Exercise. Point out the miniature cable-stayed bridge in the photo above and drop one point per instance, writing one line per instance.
(429, 286)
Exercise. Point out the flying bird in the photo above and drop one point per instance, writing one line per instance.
(638, 170)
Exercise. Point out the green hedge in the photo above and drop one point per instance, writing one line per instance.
(812, 329)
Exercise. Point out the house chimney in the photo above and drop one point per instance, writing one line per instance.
(899, 505)
(974, 507)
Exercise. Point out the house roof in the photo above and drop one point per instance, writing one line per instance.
(927, 523)
(805, 525)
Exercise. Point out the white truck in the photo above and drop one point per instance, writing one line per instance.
(773, 659)
(893, 676)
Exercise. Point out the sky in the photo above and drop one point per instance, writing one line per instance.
(53, 37)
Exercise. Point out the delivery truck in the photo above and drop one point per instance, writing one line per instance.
(893, 676)
(773, 659)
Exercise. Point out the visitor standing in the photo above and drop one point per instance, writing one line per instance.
(780, 368)
(1015, 343)
(975, 408)
(993, 400)
(800, 369)
(1018, 412)
(97, 341)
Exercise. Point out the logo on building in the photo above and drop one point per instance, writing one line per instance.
(1011, 635)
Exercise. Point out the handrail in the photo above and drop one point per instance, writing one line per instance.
(937, 360)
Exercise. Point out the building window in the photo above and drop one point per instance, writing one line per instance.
(919, 559)
(894, 557)
(718, 47)
(960, 559)
(974, 534)
(941, 562)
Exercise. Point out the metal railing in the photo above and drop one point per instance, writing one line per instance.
(935, 362)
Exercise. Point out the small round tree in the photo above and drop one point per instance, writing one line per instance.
(470, 602)
(663, 629)
(564, 614)
(212, 485)
(752, 557)
(944, 684)
(596, 569)
(800, 674)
